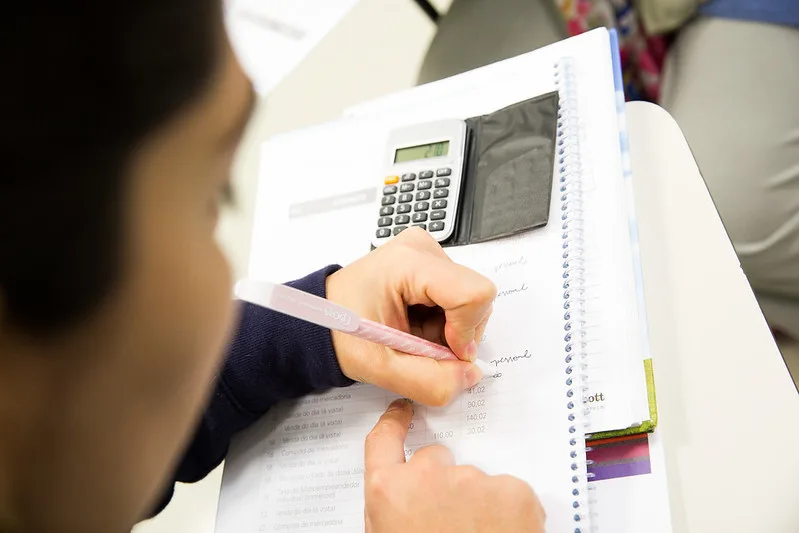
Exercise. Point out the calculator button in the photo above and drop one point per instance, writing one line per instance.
(442, 182)
(424, 185)
(421, 206)
(438, 215)
(403, 208)
(386, 211)
(422, 195)
(419, 217)
(382, 233)
(388, 200)
(410, 176)
(399, 229)
(435, 226)
(423, 226)
(384, 221)
(405, 198)
(402, 219)
(439, 204)
(443, 172)
(390, 180)
(426, 174)
(438, 193)
(391, 189)
(406, 187)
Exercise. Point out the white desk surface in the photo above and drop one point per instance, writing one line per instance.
(729, 412)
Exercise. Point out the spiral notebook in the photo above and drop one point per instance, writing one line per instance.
(603, 237)
(566, 324)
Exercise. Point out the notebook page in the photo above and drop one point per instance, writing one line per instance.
(322, 208)
(614, 358)
(301, 467)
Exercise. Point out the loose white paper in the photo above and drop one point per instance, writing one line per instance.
(271, 37)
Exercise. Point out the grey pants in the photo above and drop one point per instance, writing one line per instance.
(732, 86)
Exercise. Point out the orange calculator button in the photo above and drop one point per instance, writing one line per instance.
(390, 180)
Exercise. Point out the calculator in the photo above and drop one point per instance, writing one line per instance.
(422, 180)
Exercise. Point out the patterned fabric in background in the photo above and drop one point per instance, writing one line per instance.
(642, 55)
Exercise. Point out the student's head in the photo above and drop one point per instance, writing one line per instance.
(119, 124)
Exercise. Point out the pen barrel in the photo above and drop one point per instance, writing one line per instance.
(401, 341)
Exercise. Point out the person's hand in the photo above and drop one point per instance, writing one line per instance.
(410, 284)
(431, 493)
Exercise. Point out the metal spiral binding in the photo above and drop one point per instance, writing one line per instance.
(571, 220)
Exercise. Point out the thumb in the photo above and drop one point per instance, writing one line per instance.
(385, 444)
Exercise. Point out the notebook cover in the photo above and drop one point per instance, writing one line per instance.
(649, 425)
(624, 144)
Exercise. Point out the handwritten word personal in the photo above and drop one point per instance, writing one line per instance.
(508, 264)
(508, 292)
(511, 359)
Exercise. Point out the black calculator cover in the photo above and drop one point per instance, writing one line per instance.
(508, 171)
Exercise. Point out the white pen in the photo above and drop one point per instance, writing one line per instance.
(322, 312)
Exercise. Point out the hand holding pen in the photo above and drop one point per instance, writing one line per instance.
(424, 302)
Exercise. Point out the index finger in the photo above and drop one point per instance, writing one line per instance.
(385, 444)
(465, 296)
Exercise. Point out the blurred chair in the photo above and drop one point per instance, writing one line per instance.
(474, 33)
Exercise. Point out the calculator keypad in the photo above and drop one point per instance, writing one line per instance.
(407, 201)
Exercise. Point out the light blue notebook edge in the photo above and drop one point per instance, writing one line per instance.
(624, 143)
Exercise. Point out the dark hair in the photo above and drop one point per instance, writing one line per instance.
(83, 83)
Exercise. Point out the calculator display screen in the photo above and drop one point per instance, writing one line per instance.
(422, 151)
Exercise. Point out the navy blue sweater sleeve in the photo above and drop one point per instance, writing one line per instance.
(272, 357)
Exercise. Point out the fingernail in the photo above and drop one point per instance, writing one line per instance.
(471, 351)
(398, 405)
(472, 376)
